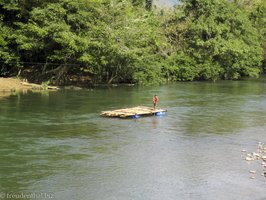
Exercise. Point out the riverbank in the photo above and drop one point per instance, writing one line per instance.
(11, 84)
(15, 84)
(8, 85)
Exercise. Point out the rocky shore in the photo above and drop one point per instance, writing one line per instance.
(259, 155)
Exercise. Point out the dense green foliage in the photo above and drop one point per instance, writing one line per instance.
(214, 39)
(123, 41)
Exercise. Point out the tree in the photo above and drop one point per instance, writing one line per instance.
(258, 18)
(115, 41)
(7, 57)
(59, 33)
(217, 40)
(131, 46)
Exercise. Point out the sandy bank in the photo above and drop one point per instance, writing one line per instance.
(14, 84)
(11, 84)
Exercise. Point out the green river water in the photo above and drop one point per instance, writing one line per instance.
(54, 145)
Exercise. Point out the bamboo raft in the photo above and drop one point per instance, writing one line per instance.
(135, 112)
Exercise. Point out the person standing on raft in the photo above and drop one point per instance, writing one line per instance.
(155, 101)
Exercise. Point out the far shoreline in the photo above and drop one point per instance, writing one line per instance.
(14, 84)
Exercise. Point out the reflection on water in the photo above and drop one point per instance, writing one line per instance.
(55, 142)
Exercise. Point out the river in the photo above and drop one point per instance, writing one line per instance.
(55, 144)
